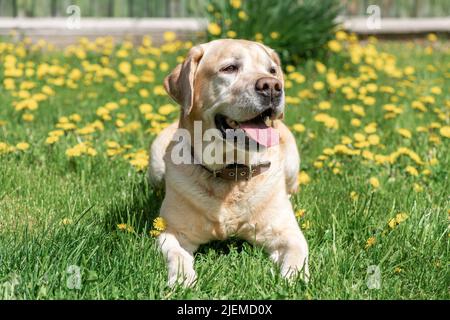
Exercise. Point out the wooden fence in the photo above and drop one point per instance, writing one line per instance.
(102, 8)
(194, 8)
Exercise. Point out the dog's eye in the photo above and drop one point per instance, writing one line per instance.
(273, 70)
(230, 69)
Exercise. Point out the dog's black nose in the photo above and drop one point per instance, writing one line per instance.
(268, 87)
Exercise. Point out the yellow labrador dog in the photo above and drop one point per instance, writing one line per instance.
(228, 85)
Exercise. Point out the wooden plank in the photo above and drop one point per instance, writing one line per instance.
(180, 8)
(110, 8)
(130, 8)
(402, 26)
(14, 8)
(147, 8)
(117, 26)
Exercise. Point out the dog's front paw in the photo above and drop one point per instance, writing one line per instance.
(186, 279)
(292, 272)
(295, 265)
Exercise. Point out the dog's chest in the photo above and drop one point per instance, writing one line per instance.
(236, 209)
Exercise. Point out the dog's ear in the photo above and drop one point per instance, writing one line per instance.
(180, 83)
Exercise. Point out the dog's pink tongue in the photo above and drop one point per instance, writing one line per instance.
(261, 133)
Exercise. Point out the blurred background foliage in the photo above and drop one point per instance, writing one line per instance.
(294, 29)
(194, 8)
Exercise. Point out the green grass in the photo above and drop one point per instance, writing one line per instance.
(42, 186)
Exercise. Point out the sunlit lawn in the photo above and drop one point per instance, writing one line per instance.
(373, 133)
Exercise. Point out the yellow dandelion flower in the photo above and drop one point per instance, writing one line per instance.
(122, 226)
(144, 93)
(445, 131)
(432, 37)
(236, 4)
(404, 133)
(370, 242)
(259, 36)
(300, 213)
(28, 117)
(91, 152)
(359, 137)
(324, 105)
(274, 35)
(164, 66)
(139, 163)
(355, 122)
(369, 101)
(320, 67)
(374, 182)
(341, 35)
(346, 140)
(401, 217)
(298, 127)
(373, 139)
(306, 225)
(125, 67)
(66, 221)
(214, 29)
(334, 46)
(370, 128)
(52, 140)
(318, 164)
(436, 90)
(167, 109)
(392, 223)
(398, 270)
(417, 187)
(290, 68)
(159, 91)
(409, 70)
(159, 224)
(22, 146)
(354, 195)
(154, 233)
(125, 227)
(169, 36)
(231, 34)
(145, 108)
(303, 178)
(318, 85)
(242, 15)
(433, 162)
(412, 171)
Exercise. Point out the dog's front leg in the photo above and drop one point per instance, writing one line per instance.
(292, 256)
(179, 258)
(288, 248)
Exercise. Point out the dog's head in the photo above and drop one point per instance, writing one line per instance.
(229, 84)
